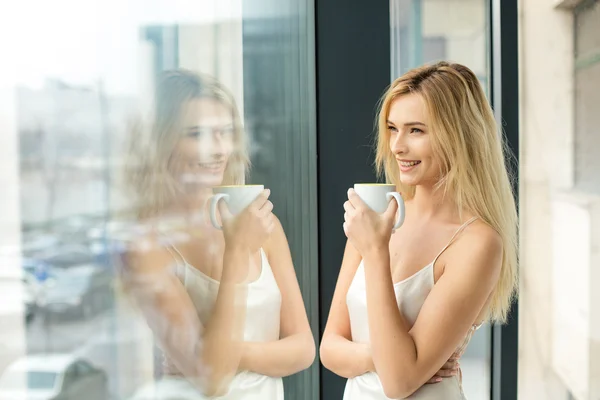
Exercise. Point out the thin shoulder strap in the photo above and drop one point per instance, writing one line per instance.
(180, 261)
(458, 231)
(172, 248)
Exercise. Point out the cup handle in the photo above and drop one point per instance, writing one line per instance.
(400, 212)
(213, 209)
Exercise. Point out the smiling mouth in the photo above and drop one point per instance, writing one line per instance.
(409, 163)
(212, 166)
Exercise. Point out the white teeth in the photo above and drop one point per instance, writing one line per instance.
(409, 163)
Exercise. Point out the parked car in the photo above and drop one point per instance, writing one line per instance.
(67, 256)
(148, 391)
(33, 276)
(12, 259)
(39, 269)
(53, 377)
(107, 241)
(32, 292)
(78, 291)
(35, 243)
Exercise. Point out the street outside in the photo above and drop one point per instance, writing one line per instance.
(110, 341)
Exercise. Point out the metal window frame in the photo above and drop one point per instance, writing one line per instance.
(353, 70)
(504, 43)
(279, 98)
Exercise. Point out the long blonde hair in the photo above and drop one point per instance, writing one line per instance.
(151, 147)
(473, 158)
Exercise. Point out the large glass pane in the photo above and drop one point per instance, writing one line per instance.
(280, 116)
(424, 31)
(587, 96)
(82, 88)
(559, 355)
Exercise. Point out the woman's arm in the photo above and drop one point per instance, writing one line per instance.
(295, 350)
(406, 358)
(338, 352)
(346, 358)
(209, 355)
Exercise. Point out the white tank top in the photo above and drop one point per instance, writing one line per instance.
(263, 308)
(410, 297)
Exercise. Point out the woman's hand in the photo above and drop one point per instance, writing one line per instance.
(449, 369)
(249, 229)
(366, 229)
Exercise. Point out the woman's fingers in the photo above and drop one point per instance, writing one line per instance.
(450, 364)
(450, 368)
(348, 207)
(266, 209)
(446, 373)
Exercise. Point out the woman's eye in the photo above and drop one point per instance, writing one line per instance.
(198, 132)
(416, 130)
(228, 131)
(392, 128)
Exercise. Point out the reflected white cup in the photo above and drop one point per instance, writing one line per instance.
(378, 196)
(237, 197)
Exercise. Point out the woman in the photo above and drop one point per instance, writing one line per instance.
(225, 306)
(408, 301)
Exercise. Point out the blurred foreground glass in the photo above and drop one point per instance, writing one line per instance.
(69, 86)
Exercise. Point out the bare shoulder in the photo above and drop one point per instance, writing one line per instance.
(481, 235)
(146, 253)
(278, 226)
(478, 248)
(276, 247)
(276, 239)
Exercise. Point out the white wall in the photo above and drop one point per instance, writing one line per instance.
(559, 308)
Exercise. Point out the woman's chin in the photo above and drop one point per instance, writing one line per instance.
(212, 181)
(408, 180)
(202, 180)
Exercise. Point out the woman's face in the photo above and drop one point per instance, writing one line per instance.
(410, 141)
(207, 142)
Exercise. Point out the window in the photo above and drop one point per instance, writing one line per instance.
(587, 81)
(70, 105)
(426, 31)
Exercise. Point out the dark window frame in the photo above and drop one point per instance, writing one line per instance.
(504, 43)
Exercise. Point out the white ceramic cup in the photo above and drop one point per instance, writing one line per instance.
(237, 197)
(378, 195)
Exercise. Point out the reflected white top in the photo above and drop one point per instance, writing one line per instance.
(263, 307)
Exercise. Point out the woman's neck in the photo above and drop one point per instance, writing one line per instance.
(431, 203)
(189, 207)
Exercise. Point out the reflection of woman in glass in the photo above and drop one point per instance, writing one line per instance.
(408, 301)
(224, 306)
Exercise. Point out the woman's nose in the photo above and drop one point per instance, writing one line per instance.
(211, 144)
(398, 144)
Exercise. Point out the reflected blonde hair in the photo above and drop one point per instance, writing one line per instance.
(147, 171)
(473, 158)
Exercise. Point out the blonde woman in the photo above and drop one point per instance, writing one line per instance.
(224, 306)
(407, 302)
